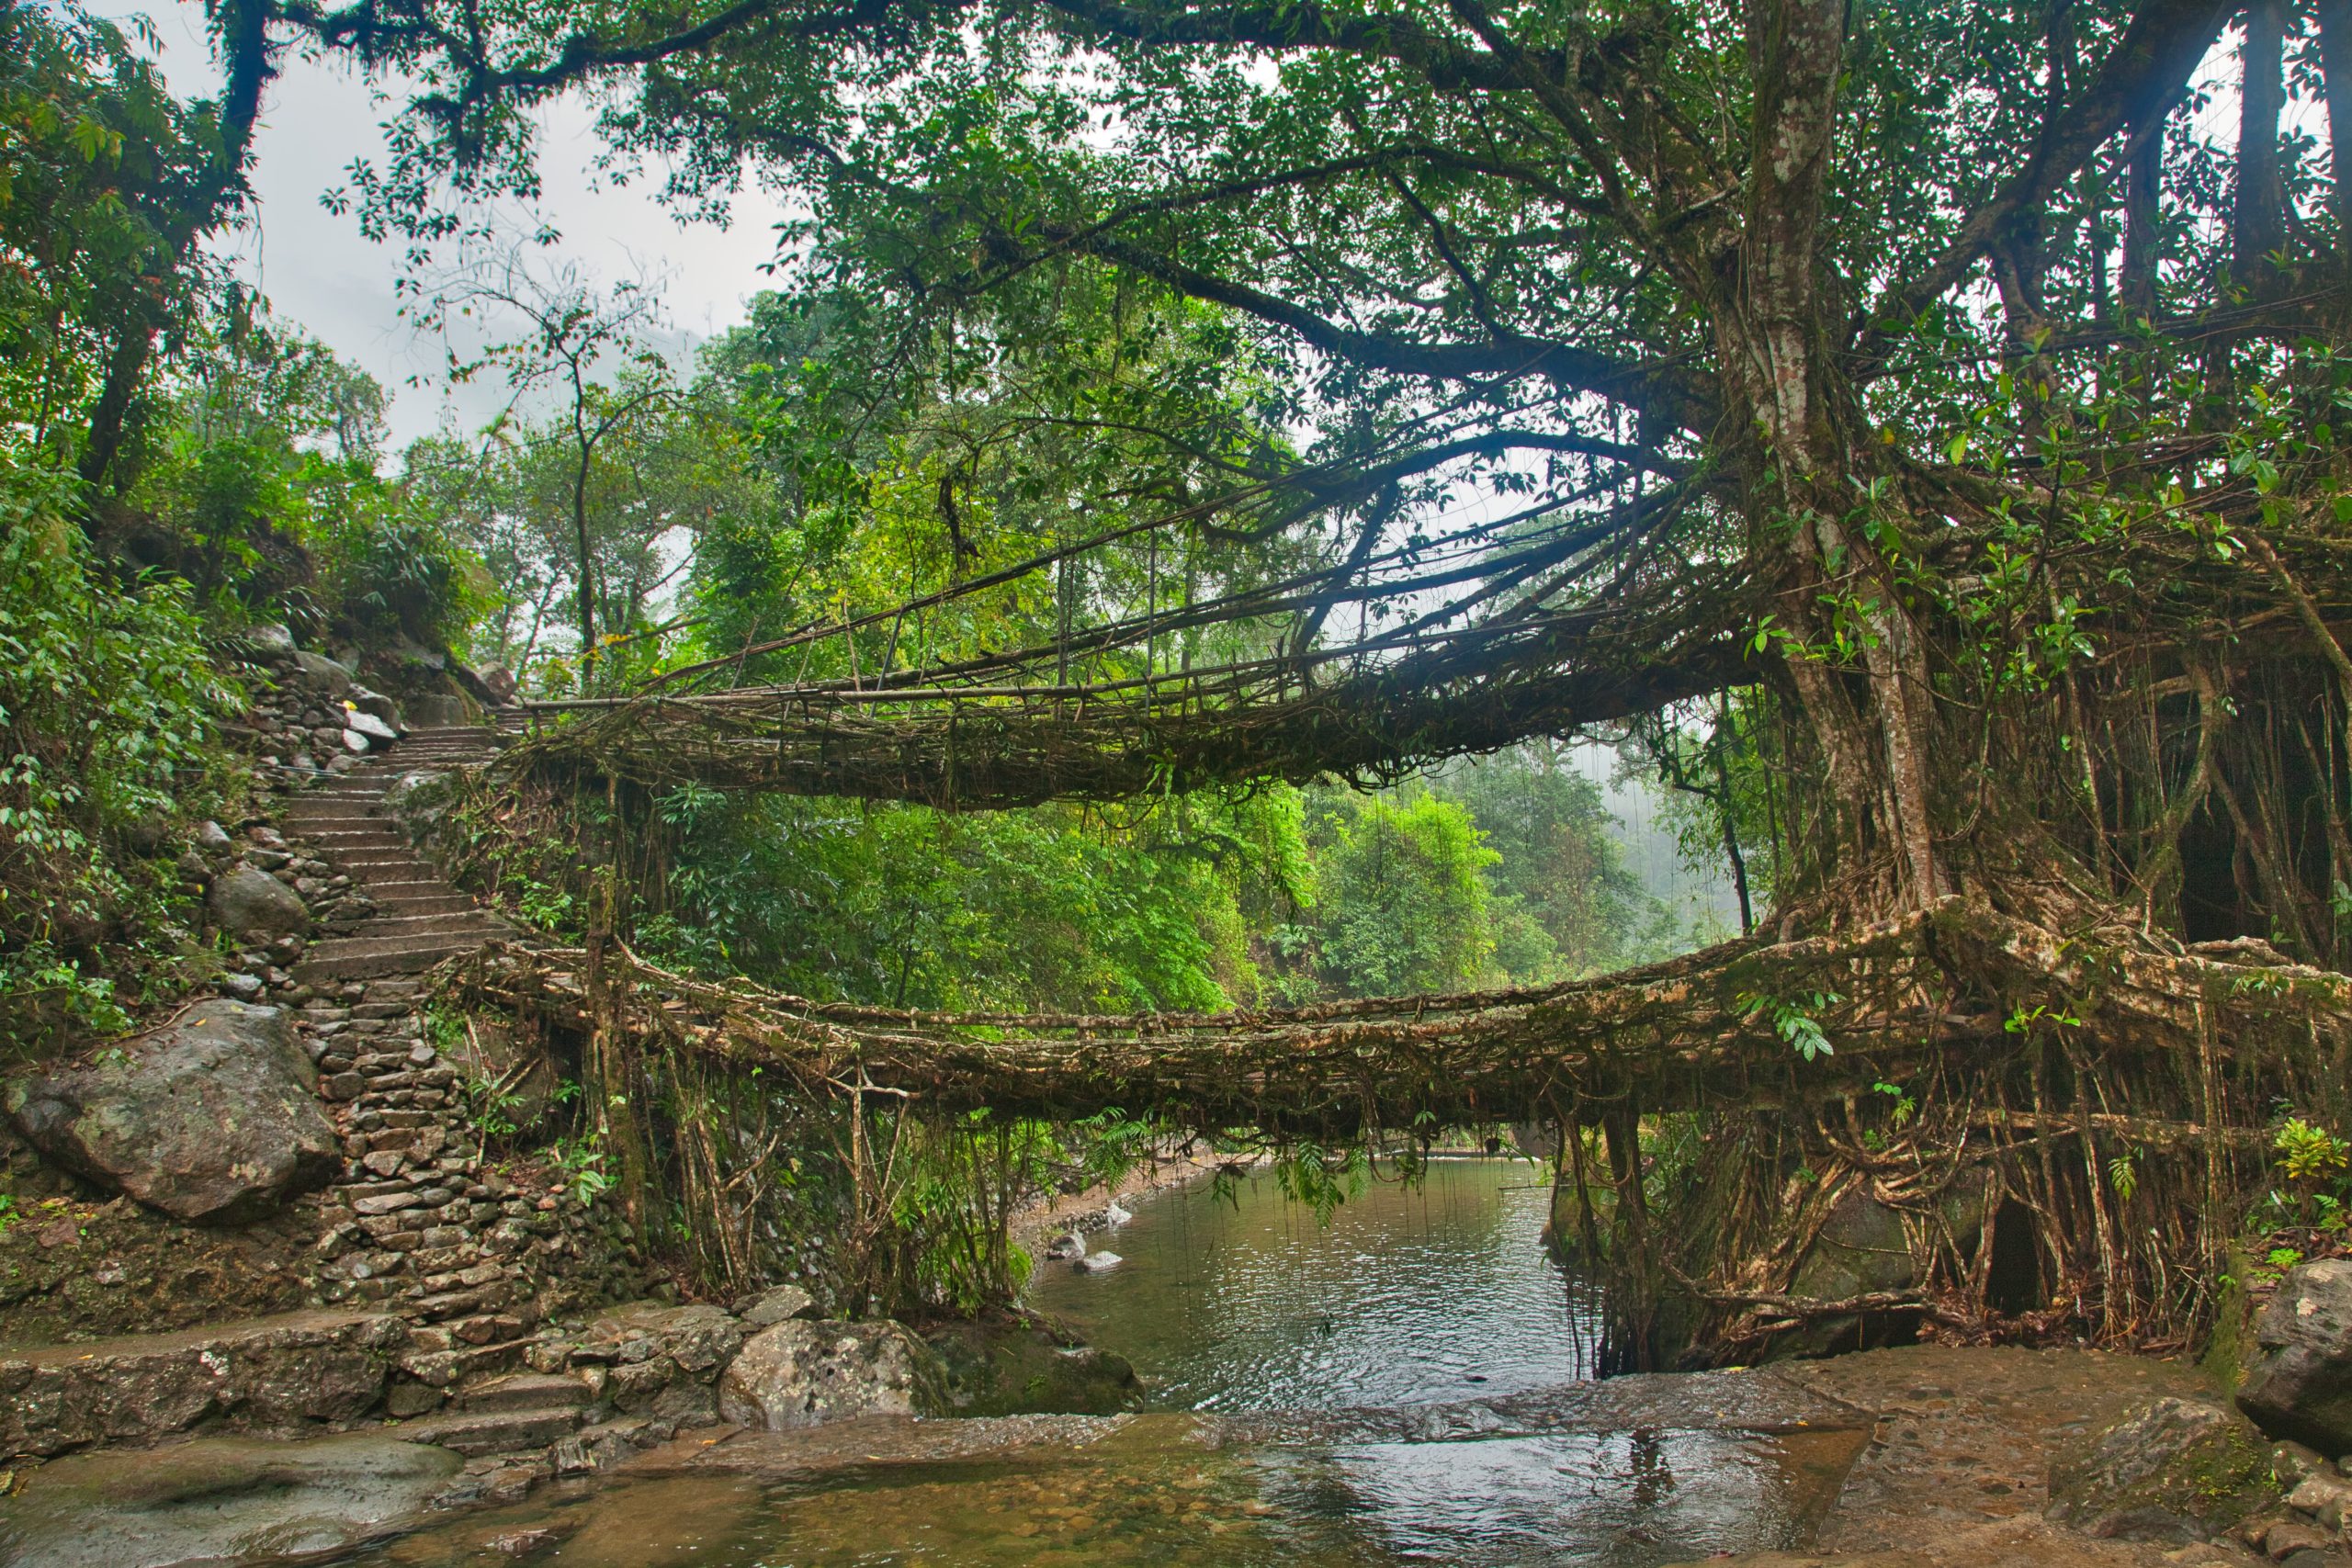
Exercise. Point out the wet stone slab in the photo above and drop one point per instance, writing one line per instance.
(219, 1500)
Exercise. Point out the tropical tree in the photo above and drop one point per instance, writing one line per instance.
(1877, 350)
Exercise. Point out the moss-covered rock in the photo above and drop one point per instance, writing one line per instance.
(2176, 1469)
(1020, 1364)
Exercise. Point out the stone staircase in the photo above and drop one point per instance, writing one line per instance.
(417, 1221)
(421, 919)
(436, 1272)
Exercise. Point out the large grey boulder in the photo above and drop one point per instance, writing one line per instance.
(214, 1118)
(2300, 1387)
(324, 672)
(246, 898)
(369, 724)
(271, 641)
(804, 1374)
(368, 701)
(770, 1307)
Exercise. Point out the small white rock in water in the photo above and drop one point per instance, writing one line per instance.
(1098, 1262)
(1071, 1245)
(1115, 1214)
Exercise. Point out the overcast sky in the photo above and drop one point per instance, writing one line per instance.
(317, 269)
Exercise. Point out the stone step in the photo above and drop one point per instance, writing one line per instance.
(404, 923)
(371, 866)
(293, 1369)
(494, 1431)
(378, 834)
(443, 901)
(525, 1391)
(403, 760)
(473, 1362)
(464, 925)
(362, 960)
(339, 817)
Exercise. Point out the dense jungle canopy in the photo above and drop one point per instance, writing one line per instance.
(1905, 432)
(1939, 377)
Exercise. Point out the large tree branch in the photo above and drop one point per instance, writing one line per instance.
(1445, 64)
(2148, 66)
(1656, 389)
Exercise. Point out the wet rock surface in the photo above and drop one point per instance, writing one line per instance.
(1012, 1365)
(214, 1118)
(302, 1371)
(1963, 1445)
(219, 1500)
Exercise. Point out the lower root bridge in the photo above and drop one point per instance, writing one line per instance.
(2100, 1098)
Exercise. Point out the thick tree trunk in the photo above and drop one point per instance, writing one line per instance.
(250, 62)
(2335, 65)
(2258, 216)
(2143, 191)
(1853, 659)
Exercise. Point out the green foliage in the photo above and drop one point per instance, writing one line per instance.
(968, 1178)
(260, 488)
(2124, 1175)
(2310, 1153)
(1563, 903)
(906, 905)
(2028, 1020)
(1321, 1179)
(581, 1164)
(1792, 1019)
(1401, 896)
(108, 704)
(93, 151)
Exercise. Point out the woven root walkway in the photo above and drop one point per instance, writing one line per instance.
(1693, 1031)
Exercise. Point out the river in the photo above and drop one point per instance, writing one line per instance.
(1412, 1294)
(1403, 1385)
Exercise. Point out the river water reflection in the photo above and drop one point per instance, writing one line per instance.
(1412, 1294)
(1404, 1386)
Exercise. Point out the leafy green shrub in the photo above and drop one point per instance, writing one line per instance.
(389, 573)
(109, 704)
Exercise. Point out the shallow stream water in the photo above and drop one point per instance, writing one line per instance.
(1410, 1295)
(1404, 1386)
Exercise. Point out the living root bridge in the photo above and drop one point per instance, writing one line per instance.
(1473, 690)
(1936, 994)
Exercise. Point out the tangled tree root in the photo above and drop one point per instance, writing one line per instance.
(2104, 1092)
